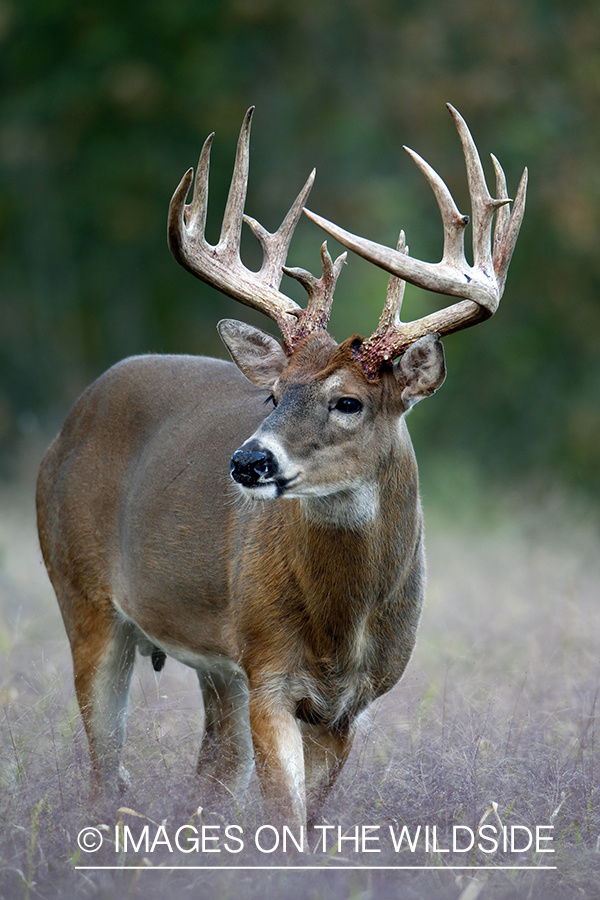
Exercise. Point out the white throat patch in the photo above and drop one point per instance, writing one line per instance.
(350, 509)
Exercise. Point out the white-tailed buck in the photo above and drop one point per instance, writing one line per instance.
(294, 584)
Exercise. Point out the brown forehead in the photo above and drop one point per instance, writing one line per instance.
(319, 356)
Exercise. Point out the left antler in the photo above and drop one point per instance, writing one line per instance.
(221, 266)
(482, 284)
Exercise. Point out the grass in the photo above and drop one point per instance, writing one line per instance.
(496, 719)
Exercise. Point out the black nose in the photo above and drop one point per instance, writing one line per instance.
(249, 466)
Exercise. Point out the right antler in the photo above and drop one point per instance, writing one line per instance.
(482, 283)
(221, 266)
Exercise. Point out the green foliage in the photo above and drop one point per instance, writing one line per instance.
(104, 105)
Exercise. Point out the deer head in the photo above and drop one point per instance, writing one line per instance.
(309, 371)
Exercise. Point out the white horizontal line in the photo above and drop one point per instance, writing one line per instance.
(323, 867)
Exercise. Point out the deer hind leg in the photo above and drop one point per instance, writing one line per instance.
(325, 753)
(226, 756)
(103, 649)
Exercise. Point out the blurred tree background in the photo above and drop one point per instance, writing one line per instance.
(105, 104)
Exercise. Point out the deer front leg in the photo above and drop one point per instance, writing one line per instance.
(279, 760)
(325, 753)
(226, 755)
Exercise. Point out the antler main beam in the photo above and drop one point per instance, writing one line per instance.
(481, 284)
(220, 265)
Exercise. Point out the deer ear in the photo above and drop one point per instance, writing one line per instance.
(259, 355)
(421, 370)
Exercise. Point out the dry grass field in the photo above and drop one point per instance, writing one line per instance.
(496, 714)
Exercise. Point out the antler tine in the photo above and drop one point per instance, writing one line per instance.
(481, 284)
(508, 224)
(195, 213)
(504, 211)
(320, 293)
(453, 221)
(380, 346)
(220, 265)
(275, 246)
(231, 229)
(483, 205)
(390, 317)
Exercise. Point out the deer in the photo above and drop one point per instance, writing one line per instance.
(259, 520)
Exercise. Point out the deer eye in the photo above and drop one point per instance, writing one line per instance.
(348, 405)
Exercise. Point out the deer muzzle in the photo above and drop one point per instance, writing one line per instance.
(252, 465)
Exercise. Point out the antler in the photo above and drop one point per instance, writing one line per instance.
(220, 265)
(482, 284)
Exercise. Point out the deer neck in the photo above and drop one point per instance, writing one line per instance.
(357, 542)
